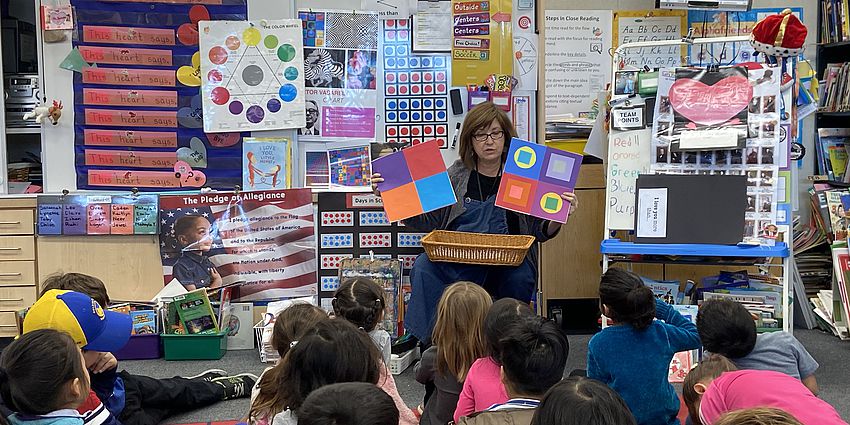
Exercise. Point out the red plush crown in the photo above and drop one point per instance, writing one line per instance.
(779, 35)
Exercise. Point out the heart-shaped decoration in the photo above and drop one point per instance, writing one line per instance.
(190, 117)
(223, 140)
(187, 176)
(711, 105)
(188, 32)
(191, 75)
(195, 155)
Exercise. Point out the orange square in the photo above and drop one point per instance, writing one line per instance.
(402, 202)
(515, 192)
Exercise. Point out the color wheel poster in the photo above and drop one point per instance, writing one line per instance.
(264, 239)
(138, 112)
(340, 74)
(252, 75)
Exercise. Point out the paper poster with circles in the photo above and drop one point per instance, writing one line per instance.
(535, 176)
(252, 75)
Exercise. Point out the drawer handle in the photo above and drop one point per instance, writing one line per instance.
(10, 223)
(11, 249)
(8, 326)
(9, 274)
(9, 300)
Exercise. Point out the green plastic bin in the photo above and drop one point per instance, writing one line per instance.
(195, 347)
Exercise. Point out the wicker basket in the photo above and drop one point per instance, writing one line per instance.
(476, 248)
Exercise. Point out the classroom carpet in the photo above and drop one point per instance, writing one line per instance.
(832, 354)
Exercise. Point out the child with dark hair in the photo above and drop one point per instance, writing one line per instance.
(362, 302)
(332, 405)
(43, 378)
(290, 326)
(483, 385)
(194, 269)
(334, 352)
(581, 401)
(133, 399)
(727, 328)
(533, 353)
(632, 355)
(715, 387)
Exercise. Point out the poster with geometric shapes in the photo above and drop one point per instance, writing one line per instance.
(340, 74)
(534, 178)
(415, 181)
(252, 75)
(138, 114)
(416, 101)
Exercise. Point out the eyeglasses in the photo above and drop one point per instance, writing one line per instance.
(313, 111)
(496, 136)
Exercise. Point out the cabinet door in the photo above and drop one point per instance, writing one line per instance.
(571, 262)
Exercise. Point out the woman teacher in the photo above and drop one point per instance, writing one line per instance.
(484, 141)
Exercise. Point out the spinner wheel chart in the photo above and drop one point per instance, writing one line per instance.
(252, 75)
(525, 55)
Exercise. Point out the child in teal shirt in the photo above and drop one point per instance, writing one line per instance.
(632, 356)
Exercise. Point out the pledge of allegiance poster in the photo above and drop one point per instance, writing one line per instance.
(265, 239)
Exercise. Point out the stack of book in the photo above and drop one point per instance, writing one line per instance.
(835, 88)
(144, 316)
(191, 313)
(835, 26)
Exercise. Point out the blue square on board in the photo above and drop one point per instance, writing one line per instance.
(435, 192)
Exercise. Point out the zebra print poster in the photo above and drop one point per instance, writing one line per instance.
(340, 74)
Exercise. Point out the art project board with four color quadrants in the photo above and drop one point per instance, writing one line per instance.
(535, 176)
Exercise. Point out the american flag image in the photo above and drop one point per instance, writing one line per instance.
(265, 239)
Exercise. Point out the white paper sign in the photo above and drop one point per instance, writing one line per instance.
(708, 139)
(652, 28)
(387, 9)
(627, 118)
(578, 66)
(628, 157)
(652, 213)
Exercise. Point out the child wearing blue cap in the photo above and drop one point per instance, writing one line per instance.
(133, 399)
(43, 378)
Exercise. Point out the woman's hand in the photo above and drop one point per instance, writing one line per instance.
(570, 197)
(375, 179)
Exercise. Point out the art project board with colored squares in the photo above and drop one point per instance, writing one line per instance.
(534, 178)
(415, 181)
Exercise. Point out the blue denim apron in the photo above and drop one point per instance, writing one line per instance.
(428, 280)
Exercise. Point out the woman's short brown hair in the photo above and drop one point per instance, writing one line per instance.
(480, 117)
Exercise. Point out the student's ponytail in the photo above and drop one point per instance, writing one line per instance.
(361, 301)
(642, 302)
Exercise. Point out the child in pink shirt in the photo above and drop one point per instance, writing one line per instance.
(715, 387)
(483, 386)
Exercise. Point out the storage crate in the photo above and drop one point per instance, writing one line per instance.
(398, 363)
(194, 347)
(262, 335)
(476, 248)
(141, 347)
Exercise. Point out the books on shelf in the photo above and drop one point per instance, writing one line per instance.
(835, 88)
(196, 313)
(832, 153)
(834, 23)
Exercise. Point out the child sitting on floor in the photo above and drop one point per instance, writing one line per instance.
(362, 302)
(632, 355)
(290, 326)
(483, 386)
(533, 353)
(715, 387)
(332, 405)
(44, 379)
(581, 401)
(136, 399)
(758, 416)
(458, 340)
(335, 352)
(727, 328)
